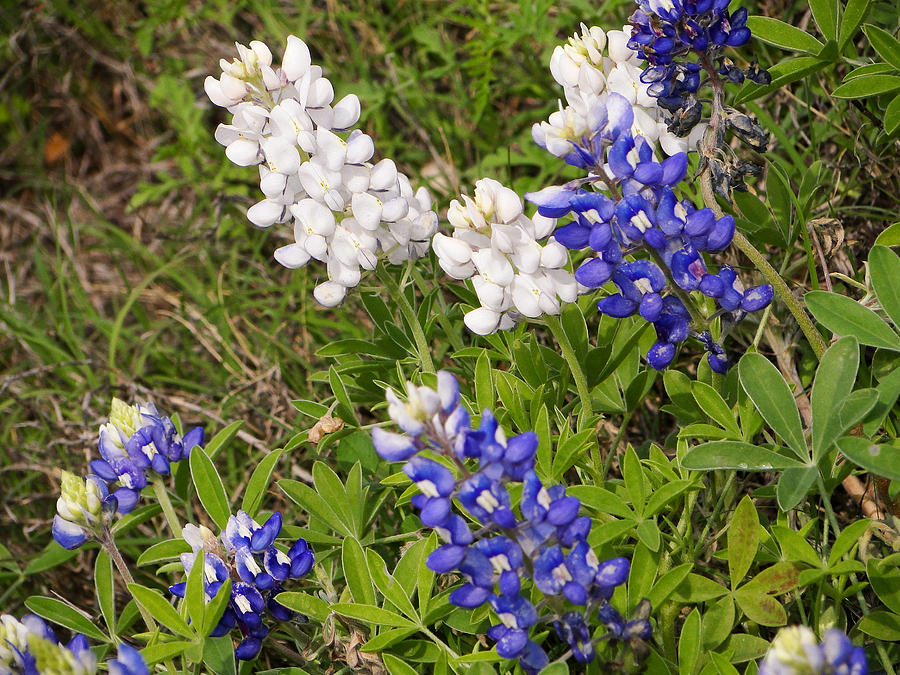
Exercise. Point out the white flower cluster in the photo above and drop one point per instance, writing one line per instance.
(345, 210)
(496, 245)
(588, 76)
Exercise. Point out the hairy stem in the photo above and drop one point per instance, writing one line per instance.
(108, 542)
(568, 352)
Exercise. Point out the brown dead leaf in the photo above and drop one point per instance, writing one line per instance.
(55, 147)
(325, 425)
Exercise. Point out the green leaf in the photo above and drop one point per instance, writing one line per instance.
(891, 124)
(259, 482)
(162, 651)
(209, 487)
(218, 655)
(170, 549)
(386, 639)
(882, 460)
(794, 547)
(648, 533)
(881, 626)
(331, 489)
(743, 540)
(60, 613)
(793, 486)
(356, 572)
(884, 267)
(635, 482)
(851, 17)
(345, 409)
(887, 46)
(844, 316)
(722, 664)
(825, 14)
(760, 607)
(216, 608)
(52, 556)
(782, 35)
(891, 235)
(106, 593)
(712, 403)
(848, 538)
(484, 384)
(371, 614)
(310, 605)
(696, 588)
(718, 621)
(314, 504)
(195, 593)
(783, 73)
(396, 666)
(159, 608)
(735, 455)
(772, 397)
(221, 439)
(389, 587)
(885, 582)
(689, 644)
(666, 493)
(832, 385)
(867, 85)
(667, 583)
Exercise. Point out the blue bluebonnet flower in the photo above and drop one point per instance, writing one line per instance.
(542, 543)
(83, 509)
(137, 439)
(246, 553)
(795, 650)
(129, 662)
(30, 646)
(639, 214)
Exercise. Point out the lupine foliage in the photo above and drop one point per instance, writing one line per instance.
(579, 491)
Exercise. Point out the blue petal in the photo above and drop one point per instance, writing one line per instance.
(594, 273)
(661, 355)
(393, 447)
(446, 558)
(69, 535)
(617, 306)
(469, 596)
(756, 298)
(265, 535)
(573, 235)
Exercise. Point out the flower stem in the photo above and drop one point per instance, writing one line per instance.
(707, 149)
(410, 315)
(771, 275)
(568, 352)
(108, 542)
(162, 496)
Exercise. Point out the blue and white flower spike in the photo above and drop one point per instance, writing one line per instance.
(30, 647)
(246, 553)
(546, 542)
(795, 650)
(83, 509)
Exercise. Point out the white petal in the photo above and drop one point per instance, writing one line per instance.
(489, 294)
(262, 52)
(331, 149)
(292, 256)
(554, 254)
(526, 294)
(296, 59)
(232, 87)
(507, 205)
(360, 147)
(321, 93)
(329, 294)
(482, 320)
(213, 89)
(243, 152)
(493, 266)
(314, 217)
(355, 177)
(366, 210)
(346, 112)
(395, 209)
(317, 247)
(384, 175)
(266, 213)
(454, 251)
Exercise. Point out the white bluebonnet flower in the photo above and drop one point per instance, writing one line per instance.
(496, 246)
(795, 651)
(30, 646)
(247, 554)
(316, 173)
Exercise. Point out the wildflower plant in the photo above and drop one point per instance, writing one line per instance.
(614, 507)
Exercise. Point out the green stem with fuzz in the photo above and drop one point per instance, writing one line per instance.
(568, 352)
(410, 315)
(108, 542)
